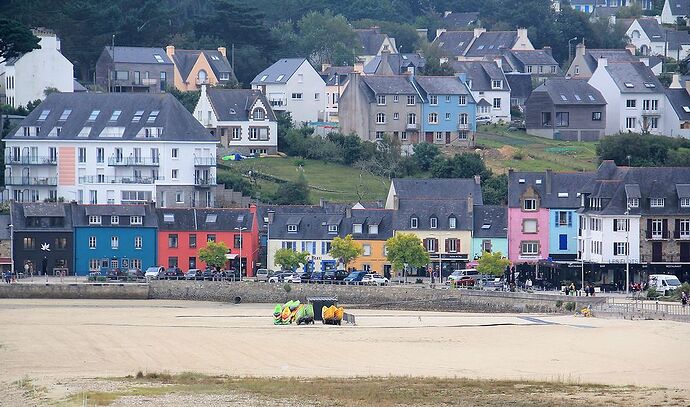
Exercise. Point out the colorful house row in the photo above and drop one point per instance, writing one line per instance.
(48, 238)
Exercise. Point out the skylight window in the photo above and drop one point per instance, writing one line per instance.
(115, 116)
(94, 115)
(280, 77)
(211, 218)
(577, 97)
(168, 217)
(263, 78)
(521, 181)
(629, 85)
(480, 47)
(240, 218)
(486, 226)
(159, 58)
(65, 114)
(43, 115)
(215, 57)
(686, 109)
(591, 97)
(152, 116)
(649, 85)
(137, 116)
(564, 98)
(538, 182)
(562, 194)
(232, 111)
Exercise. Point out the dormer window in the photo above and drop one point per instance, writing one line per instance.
(433, 222)
(259, 114)
(634, 202)
(357, 228)
(169, 217)
(685, 202)
(529, 204)
(373, 229)
(496, 84)
(292, 228)
(332, 228)
(94, 220)
(452, 222)
(656, 202)
(114, 220)
(414, 222)
(136, 220)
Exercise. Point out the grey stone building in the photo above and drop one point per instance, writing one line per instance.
(134, 69)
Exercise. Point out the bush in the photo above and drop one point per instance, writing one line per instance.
(559, 304)
(652, 293)
(518, 155)
(287, 287)
(570, 306)
(676, 294)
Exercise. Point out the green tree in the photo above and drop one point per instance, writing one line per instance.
(464, 165)
(188, 99)
(327, 38)
(289, 259)
(493, 263)
(345, 249)
(293, 193)
(495, 190)
(425, 154)
(214, 254)
(406, 248)
(15, 39)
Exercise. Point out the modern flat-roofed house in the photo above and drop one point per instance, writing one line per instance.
(134, 69)
(242, 119)
(111, 149)
(566, 109)
(194, 68)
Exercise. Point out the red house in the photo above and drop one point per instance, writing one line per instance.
(182, 232)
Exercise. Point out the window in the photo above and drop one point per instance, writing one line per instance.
(254, 133)
(403, 135)
(433, 118)
(486, 245)
(630, 122)
(439, 136)
(529, 248)
(496, 84)
(596, 116)
(373, 229)
(546, 119)
(564, 218)
(634, 202)
(411, 100)
(65, 114)
(82, 155)
(135, 220)
(179, 197)
(116, 115)
(92, 242)
(464, 119)
(174, 153)
(94, 264)
(100, 155)
(621, 225)
(656, 202)
(657, 228)
(366, 250)
(192, 240)
(114, 220)
(173, 174)
(396, 98)
(452, 245)
(433, 222)
(462, 100)
(630, 103)
(297, 96)
(685, 202)
(114, 242)
(529, 204)
(596, 247)
(211, 238)
(94, 115)
(411, 118)
(259, 114)
(529, 226)
(684, 228)
(620, 248)
(237, 241)
(653, 122)
(433, 100)
(138, 242)
(447, 98)
(236, 132)
(94, 220)
(396, 116)
(447, 116)
(357, 228)
(431, 245)
(452, 222)
(380, 118)
(172, 240)
(29, 243)
(562, 119)
(332, 228)
(381, 100)
(292, 228)
(497, 103)
(414, 222)
(172, 261)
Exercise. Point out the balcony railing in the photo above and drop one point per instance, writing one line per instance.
(204, 182)
(204, 161)
(133, 161)
(34, 181)
(96, 179)
(278, 102)
(31, 160)
(463, 126)
(411, 126)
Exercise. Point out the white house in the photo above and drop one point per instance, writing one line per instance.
(242, 118)
(677, 118)
(293, 85)
(26, 77)
(117, 148)
(373, 43)
(635, 99)
(673, 10)
(489, 87)
(649, 38)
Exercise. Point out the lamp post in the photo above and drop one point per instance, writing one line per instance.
(627, 249)
(269, 217)
(570, 47)
(241, 229)
(11, 228)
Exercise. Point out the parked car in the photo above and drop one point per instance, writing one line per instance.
(458, 274)
(263, 274)
(483, 119)
(355, 277)
(463, 281)
(664, 283)
(174, 273)
(374, 279)
(208, 274)
(292, 278)
(154, 272)
(304, 276)
(194, 274)
(317, 277)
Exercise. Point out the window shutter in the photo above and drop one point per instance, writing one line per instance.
(649, 228)
(615, 251)
(447, 245)
(555, 219)
(615, 225)
(676, 231)
(435, 245)
(664, 230)
(570, 219)
(457, 245)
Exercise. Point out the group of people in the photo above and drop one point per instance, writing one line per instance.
(8, 277)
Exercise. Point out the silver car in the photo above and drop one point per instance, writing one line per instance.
(263, 274)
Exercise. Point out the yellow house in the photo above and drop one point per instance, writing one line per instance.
(370, 228)
(193, 68)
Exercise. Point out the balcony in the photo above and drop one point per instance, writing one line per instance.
(463, 126)
(96, 179)
(202, 182)
(30, 160)
(278, 102)
(133, 161)
(204, 161)
(412, 126)
(32, 181)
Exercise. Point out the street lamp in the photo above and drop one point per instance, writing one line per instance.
(241, 229)
(11, 228)
(269, 218)
(627, 249)
(570, 47)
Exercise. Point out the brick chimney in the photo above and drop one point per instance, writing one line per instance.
(675, 82)
(170, 50)
(223, 51)
(478, 32)
(470, 204)
(358, 67)
(580, 49)
(547, 50)
(631, 48)
(549, 178)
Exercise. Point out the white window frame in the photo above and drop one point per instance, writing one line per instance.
(529, 245)
(433, 222)
(452, 222)
(292, 228)
(136, 220)
(531, 208)
(114, 220)
(656, 202)
(414, 222)
(685, 202)
(94, 220)
(114, 242)
(92, 242)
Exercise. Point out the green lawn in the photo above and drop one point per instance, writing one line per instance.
(333, 182)
(524, 152)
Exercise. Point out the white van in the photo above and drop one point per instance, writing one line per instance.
(463, 274)
(664, 283)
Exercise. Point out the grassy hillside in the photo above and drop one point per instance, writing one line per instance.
(333, 182)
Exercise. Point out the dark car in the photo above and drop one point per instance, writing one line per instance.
(174, 273)
(355, 277)
(335, 276)
(318, 277)
(305, 276)
(209, 274)
(194, 274)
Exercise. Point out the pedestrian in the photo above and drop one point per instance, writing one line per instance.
(528, 284)
(566, 289)
(684, 298)
(572, 288)
(591, 290)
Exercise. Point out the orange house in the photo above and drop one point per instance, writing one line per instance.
(193, 68)
(371, 228)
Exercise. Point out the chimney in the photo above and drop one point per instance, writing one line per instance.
(499, 62)
(396, 202)
(547, 50)
(549, 176)
(580, 49)
(439, 31)
(478, 32)
(359, 67)
(477, 179)
(602, 62)
(322, 202)
(223, 51)
(348, 212)
(522, 38)
(384, 56)
(675, 82)
(447, 13)
(170, 50)
(631, 48)
(324, 67)
(470, 204)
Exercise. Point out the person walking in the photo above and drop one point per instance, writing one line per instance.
(572, 288)
(684, 298)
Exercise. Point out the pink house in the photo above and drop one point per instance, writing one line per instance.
(528, 221)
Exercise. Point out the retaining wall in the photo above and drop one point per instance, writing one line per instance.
(124, 291)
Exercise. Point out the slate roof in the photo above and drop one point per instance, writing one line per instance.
(20, 211)
(669, 183)
(425, 209)
(533, 57)
(389, 85)
(494, 216)
(459, 21)
(571, 183)
(676, 39)
(398, 63)
(679, 7)
(381, 217)
(370, 40)
(191, 219)
(636, 74)
(441, 85)
(5, 222)
(138, 55)
(453, 43)
(45, 210)
(226, 101)
(285, 67)
(183, 219)
(492, 43)
(438, 188)
(520, 84)
(185, 59)
(336, 75)
(312, 223)
(175, 120)
(571, 92)
(612, 55)
(652, 28)
(81, 213)
(481, 73)
(680, 100)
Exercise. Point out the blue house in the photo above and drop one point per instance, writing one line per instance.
(109, 237)
(490, 232)
(448, 110)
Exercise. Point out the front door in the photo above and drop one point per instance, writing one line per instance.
(429, 137)
(685, 251)
(656, 251)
